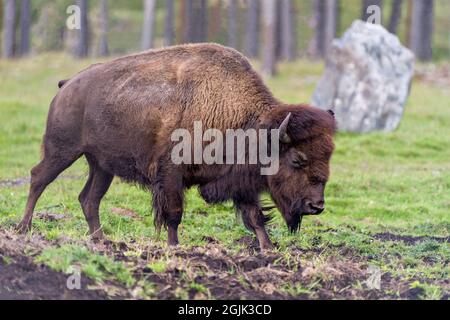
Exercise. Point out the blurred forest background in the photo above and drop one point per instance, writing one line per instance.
(269, 30)
(387, 199)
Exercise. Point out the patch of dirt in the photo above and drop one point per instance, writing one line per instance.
(249, 242)
(21, 279)
(14, 182)
(126, 213)
(435, 75)
(7, 183)
(50, 216)
(409, 240)
(209, 271)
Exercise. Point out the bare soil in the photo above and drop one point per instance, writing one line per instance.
(21, 278)
(199, 273)
(410, 240)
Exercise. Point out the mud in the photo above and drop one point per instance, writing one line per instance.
(205, 272)
(21, 279)
(14, 182)
(409, 240)
(7, 183)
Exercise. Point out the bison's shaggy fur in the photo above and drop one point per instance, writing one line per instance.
(120, 116)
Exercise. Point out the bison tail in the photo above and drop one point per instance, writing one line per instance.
(159, 204)
(62, 82)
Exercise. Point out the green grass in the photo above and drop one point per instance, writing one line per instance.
(395, 182)
(95, 266)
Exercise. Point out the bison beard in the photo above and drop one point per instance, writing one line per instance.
(120, 115)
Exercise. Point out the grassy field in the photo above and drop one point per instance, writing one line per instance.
(387, 210)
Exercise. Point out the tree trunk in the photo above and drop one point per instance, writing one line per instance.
(316, 46)
(422, 29)
(252, 29)
(269, 29)
(149, 24)
(200, 21)
(408, 22)
(103, 49)
(232, 27)
(215, 29)
(25, 23)
(326, 16)
(288, 30)
(82, 47)
(367, 3)
(331, 17)
(188, 21)
(278, 36)
(396, 15)
(169, 34)
(9, 28)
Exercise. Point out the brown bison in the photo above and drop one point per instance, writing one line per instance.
(120, 115)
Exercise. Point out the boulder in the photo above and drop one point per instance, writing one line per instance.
(367, 79)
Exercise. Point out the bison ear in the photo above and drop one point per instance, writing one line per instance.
(284, 137)
(331, 112)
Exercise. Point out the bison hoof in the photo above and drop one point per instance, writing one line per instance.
(97, 237)
(266, 247)
(23, 227)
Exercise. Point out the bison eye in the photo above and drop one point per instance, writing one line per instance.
(300, 160)
(298, 163)
(317, 181)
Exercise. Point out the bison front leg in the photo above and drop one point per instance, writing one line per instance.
(255, 221)
(168, 208)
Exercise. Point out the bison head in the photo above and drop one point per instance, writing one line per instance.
(306, 146)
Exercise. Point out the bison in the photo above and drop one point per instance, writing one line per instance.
(120, 115)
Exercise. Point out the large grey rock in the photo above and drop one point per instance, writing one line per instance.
(367, 79)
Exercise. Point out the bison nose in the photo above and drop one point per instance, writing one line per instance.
(316, 208)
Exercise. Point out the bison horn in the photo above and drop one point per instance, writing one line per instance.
(284, 137)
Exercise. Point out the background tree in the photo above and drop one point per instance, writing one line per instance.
(325, 26)
(103, 49)
(367, 3)
(232, 24)
(408, 22)
(215, 28)
(251, 47)
(187, 20)
(25, 25)
(288, 30)
(396, 14)
(169, 34)
(82, 46)
(421, 33)
(318, 25)
(1, 19)
(149, 24)
(331, 10)
(9, 28)
(269, 29)
(200, 23)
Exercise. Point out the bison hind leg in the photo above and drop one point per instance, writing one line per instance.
(93, 192)
(42, 175)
